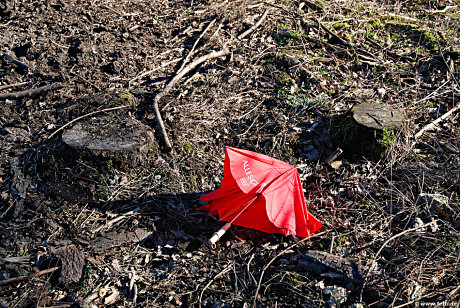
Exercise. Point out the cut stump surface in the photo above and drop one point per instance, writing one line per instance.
(103, 134)
(378, 116)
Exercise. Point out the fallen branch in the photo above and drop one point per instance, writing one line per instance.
(168, 87)
(254, 304)
(31, 92)
(192, 51)
(345, 43)
(443, 10)
(30, 276)
(184, 71)
(117, 219)
(434, 123)
(152, 71)
(84, 116)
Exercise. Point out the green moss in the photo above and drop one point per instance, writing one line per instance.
(430, 39)
(400, 25)
(341, 25)
(284, 79)
(373, 24)
(124, 97)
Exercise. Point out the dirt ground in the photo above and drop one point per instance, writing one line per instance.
(98, 228)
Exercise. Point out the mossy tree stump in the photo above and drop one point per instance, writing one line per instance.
(367, 131)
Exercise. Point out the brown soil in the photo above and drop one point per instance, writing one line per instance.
(285, 90)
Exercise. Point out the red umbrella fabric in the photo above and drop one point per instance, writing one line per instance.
(262, 193)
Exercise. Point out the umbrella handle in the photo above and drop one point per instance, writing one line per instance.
(219, 233)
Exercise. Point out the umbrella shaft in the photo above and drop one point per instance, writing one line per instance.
(219, 233)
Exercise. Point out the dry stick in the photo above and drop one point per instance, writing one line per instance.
(383, 246)
(168, 87)
(30, 276)
(345, 43)
(334, 155)
(434, 123)
(14, 85)
(254, 304)
(152, 71)
(31, 92)
(185, 70)
(226, 269)
(196, 43)
(117, 219)
(84, 116)
(14, 61)
(247, 32)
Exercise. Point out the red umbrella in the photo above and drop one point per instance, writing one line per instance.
(262, 193)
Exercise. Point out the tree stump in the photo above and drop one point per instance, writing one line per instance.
(367, 131)
(108, 135)
(378, 116)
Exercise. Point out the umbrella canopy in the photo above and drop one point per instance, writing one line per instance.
(262, 193)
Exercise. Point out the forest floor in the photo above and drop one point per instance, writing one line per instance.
(88, 229)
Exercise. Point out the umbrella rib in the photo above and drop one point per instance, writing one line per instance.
(246, 205)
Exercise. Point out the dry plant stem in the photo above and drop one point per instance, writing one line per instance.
(33, 275)
(384, 245)
(258, 23)
(226, 269)
(14, 85)
(434, 123)
(85, 116)
(168, 87)
(31, 92)
(117, 219)
(254, 304)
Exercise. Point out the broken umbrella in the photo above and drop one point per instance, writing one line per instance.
(262, 193)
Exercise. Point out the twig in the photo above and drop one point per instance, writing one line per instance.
(434, 123)
(248, 31)
(84, 79)
(14, 85)
(31, 92)
(30, 276)
(383, 246)
(117, 219)
(14, 61)
(84, 116)
(254, 304)
(346, 43)
(226, 269)
(16, 259)
(443, 10)
(152, 71)
(334, 155)
(192, 51)
(168, 87)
